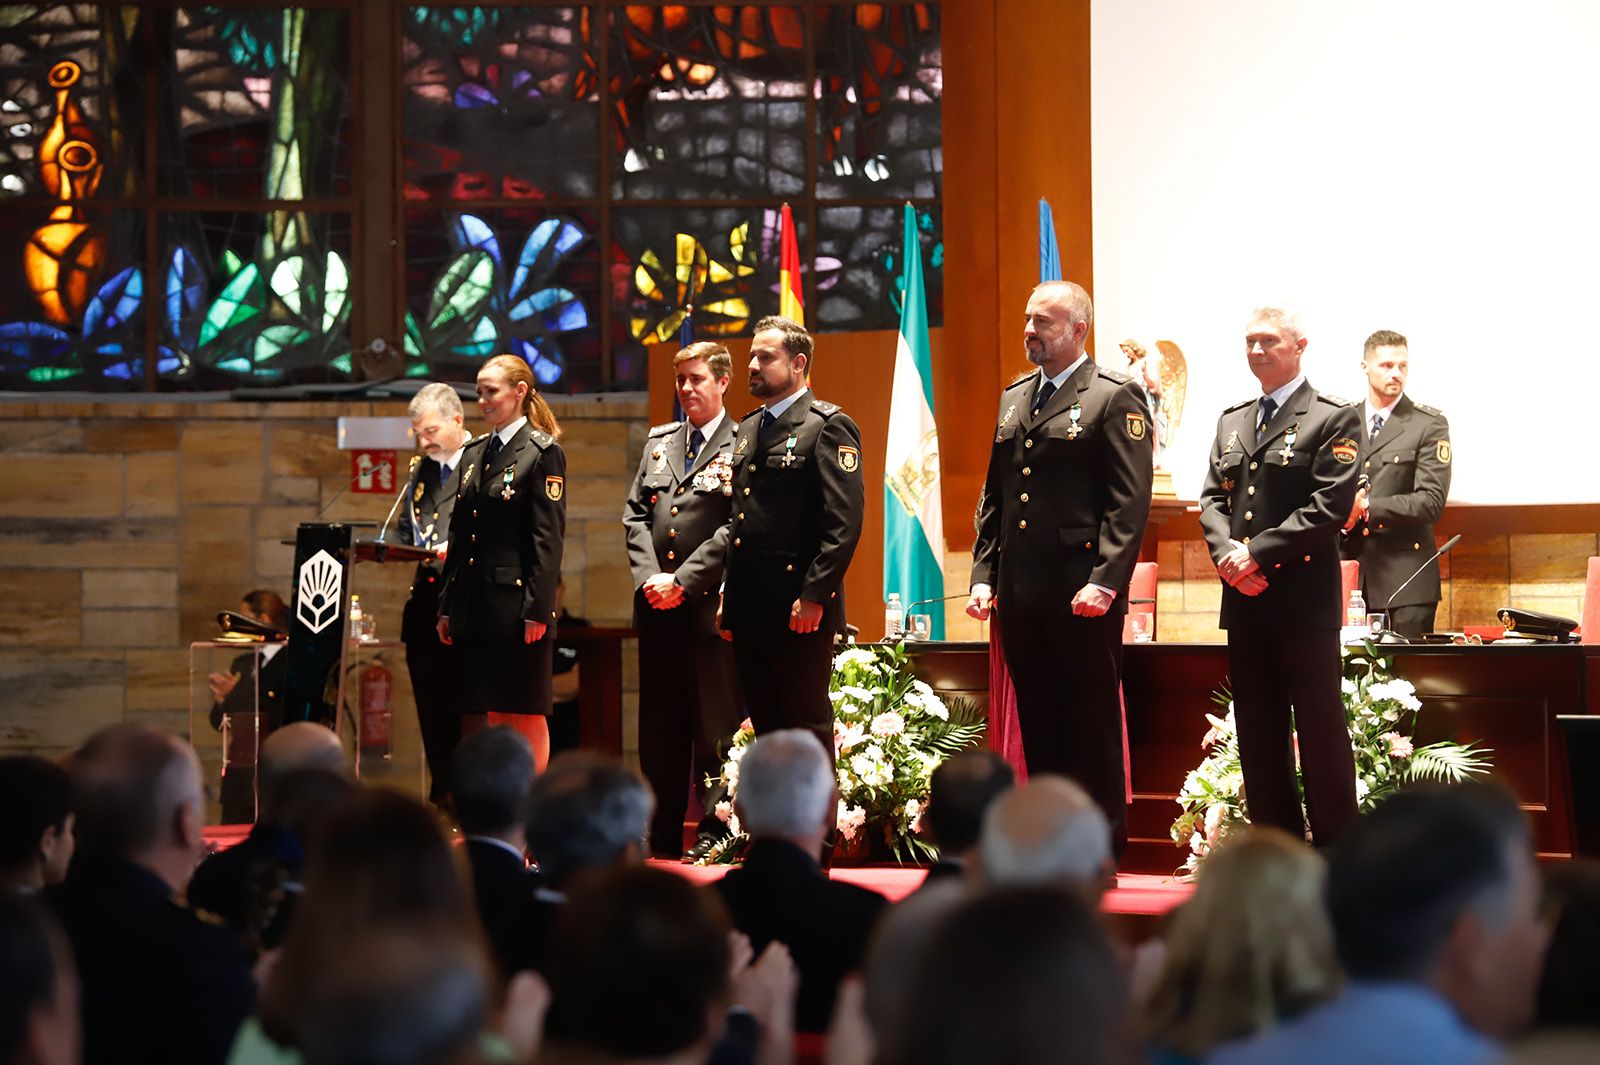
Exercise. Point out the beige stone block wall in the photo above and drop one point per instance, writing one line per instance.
(125, 528)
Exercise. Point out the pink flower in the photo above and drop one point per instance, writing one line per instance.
(1399, 746)
(847, 736)
(850, 819)
(888, 723)
(745, 726)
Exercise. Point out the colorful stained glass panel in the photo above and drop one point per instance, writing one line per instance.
(862, 290)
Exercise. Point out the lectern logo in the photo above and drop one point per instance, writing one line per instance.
(317, 600)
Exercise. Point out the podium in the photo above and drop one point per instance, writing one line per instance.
(327, 664)
(226, 736)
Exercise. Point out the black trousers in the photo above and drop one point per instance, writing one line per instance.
(436, 689)
(237, 793)
(784, 675)
(1413, 620)
(1286, 682)
(1067, 671)
(689, 709)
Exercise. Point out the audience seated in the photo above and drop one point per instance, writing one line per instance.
(1569, 988)
(160, 985)
(398, 998)
(1434, 900)
(584, 812)
(959, 794)
(894, 955)
(1016, 976)
(639, 970)
(491, 774)
(786, 802)
(1251, 947)
(251, 886)
(39, 1020)
(36, 838)
(381, 864)
(1048, 831)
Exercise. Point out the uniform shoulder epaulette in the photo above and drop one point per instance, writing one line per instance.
(1334, 401)
(416, 460)
(1113, 375)
(751, 414)
(824, 408)
(1021, 379)
(1432, 412)
(477, 439)
(664, 428)
(542, 438)
(1241, 405)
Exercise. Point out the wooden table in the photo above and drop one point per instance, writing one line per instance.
(1506, 696)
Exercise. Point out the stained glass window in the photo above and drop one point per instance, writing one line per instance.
(859, 265)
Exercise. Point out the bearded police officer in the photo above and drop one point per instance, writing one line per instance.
(688, 695)
(1061, 518)
(798, 503)
(1280, 484)
(438, 423)
(1405, 456)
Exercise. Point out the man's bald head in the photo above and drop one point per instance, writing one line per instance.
(137, 794)
(1046, 832)
(301, 745)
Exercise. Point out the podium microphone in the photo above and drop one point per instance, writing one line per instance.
(906, 614)
(1389, 635)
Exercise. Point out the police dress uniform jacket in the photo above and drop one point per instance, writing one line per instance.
(1286, 498)
(429, 502)
(502, 569)
(1065, 503)
(689, 706)
(1408, 468)
(798, 507)
(798, 504)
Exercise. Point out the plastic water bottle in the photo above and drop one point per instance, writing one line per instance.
(1355, 611)
(355, 617)
(894, 616)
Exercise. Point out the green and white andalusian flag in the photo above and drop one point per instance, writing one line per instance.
(913, 526)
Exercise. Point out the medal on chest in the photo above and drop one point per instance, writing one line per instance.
(1233, 438)
(1074, 413)
(788, 450)
(1287, 452)
(659, 457)
(1004, 421)
(506, 491)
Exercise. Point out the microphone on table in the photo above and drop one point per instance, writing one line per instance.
(906, 614)
(1389, 635)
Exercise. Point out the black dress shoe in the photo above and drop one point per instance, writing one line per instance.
(702, 847)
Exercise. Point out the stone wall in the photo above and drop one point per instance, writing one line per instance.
(125, 526)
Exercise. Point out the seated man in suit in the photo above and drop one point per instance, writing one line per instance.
(234, 697)
(491, 773)
(786, 802)
(959, 793)
(1047, 833)
(251, 886)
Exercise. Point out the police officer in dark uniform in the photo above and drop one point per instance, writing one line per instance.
(1062, 515)
(1405, 458)
(246, 708)
(1280, 484)
(798, 503)
(438, 422)
(498, 601)
(689, 703)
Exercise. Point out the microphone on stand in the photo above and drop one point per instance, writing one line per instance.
(905, 615)
(1389, 635)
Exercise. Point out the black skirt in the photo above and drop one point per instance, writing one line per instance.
(504, 675)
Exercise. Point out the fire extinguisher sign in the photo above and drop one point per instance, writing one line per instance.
(373, 470)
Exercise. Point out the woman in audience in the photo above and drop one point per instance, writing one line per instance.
(39, 1019)
(36, 840)
(1251, 947)
(380, 864)
(498, 600)
(1569, 988)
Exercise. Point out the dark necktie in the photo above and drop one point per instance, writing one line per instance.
(1043, 396)
(697, 439)
(444, 475)
(1269, 407)
(1377, 425)
(492, 450)
(767, 422)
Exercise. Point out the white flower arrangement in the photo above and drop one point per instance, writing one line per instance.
(890, 731)
(1381, 710)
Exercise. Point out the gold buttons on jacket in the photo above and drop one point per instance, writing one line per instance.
(1367, 465)
(1088, 544)
(1253, 465)
(474, 513)
(747, 491)
(1249, 515)
(1027, 471)
(1416, 547)
(519, 582)
(671, 555)
(1023, 524)
(671, 533)
(1024, 497)
(789, 568)
(751, 467)
(680, 490)
(674, 512)
(737, 541)
(1245, 540)
(473, 537)
(1027, 443)
(471, 561)
(1250, 491)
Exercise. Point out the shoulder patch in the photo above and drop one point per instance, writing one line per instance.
(1241, 405)
(1113, 375)
(664, 428)
(824, 408)
(542, 438)
(1333, 401)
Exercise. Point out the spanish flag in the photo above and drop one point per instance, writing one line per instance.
(790, 302)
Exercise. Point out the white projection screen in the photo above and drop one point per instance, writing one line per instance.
(1427, 167)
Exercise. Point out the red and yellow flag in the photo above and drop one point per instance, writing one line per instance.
(790, 303)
